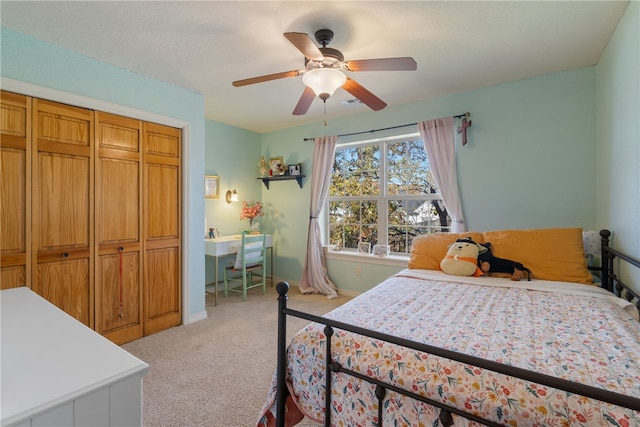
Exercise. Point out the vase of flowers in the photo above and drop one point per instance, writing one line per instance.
(251, 210)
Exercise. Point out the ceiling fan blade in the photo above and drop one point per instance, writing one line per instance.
(305, 102)
(305, 45)
(266, 78)
(383, 64)
(366, 97)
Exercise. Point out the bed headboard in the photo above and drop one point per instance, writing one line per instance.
(610, 270)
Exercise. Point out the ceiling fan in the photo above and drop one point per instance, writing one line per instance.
(324, 71)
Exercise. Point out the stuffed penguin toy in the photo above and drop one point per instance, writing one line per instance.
(462, 258)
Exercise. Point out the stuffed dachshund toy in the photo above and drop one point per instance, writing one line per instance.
(491, 264)
(462, 258)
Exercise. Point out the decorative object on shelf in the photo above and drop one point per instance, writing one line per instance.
(276, 164)
(211, 186)
(263, 167)
(212, 234)
(231, 196)
(251, 210)
(364, 248)
(381, 250)
(295, 170)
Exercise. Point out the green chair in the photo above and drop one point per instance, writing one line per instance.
(249, 268)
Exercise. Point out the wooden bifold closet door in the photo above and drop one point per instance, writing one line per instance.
(62, 197)
(91, 214)
(162, 224)
(119, 227)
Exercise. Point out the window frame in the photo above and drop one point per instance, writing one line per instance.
(383, 198)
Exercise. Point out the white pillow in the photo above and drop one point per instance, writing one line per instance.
(250, 255)
(592, 241)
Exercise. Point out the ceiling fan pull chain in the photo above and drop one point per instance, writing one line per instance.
(325, 112)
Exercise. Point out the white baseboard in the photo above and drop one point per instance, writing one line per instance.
(196, 317)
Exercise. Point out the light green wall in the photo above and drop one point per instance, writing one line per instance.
(618, 136)
(36, 63)
(232, 154)
(529, 163)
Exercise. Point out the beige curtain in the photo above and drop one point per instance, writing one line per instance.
(314, 276)
(439, 142)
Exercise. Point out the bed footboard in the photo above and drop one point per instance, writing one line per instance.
(611, 280)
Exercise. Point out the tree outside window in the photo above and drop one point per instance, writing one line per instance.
(383, 192)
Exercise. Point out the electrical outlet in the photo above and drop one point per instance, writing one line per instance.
(358, 271)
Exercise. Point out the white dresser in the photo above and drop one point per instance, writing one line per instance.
(57, 372)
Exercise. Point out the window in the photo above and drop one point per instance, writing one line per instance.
(382, 192)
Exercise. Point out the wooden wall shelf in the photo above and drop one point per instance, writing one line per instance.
(267, 179)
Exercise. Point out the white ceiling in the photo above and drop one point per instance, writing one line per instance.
(203, 46)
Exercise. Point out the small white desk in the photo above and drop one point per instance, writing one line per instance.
(228, 245)
(57, 371)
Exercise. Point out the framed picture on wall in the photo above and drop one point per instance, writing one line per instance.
(277, 165)
(211, 186)
(295, 169)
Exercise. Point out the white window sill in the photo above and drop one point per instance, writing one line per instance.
(390, 260)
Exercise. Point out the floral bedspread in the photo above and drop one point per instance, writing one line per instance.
(576, 332)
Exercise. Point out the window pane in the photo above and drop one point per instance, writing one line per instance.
(353, 222)
(351, 236)
(418, 213)
(411, 218)
(408, 169)
(400, 238)
(356, 172)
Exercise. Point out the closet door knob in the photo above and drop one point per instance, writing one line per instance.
(65, 255)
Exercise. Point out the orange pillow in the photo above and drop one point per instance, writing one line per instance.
(428, 250)
(550, 254)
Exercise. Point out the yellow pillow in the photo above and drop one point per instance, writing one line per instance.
(550, 254)
(428, 250)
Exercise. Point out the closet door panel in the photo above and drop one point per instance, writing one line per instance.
(13, 196)
(15, 180)
(118, 227)
(163, 204)
(120, 304)
(162, 228)
(64, 284)
(63, 124)
(64, 201)
(119, 199)
(13, 276)
(163, 270)
(62, 226)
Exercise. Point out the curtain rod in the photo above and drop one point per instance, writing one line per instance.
(459, 116)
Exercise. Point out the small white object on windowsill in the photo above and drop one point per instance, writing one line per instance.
(381, 250)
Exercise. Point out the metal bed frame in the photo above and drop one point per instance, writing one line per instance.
(610, 280)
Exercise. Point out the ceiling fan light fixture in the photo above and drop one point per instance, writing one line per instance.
(324, 81)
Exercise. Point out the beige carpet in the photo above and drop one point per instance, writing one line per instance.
(217, 372)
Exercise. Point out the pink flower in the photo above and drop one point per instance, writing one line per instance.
(250, 210)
